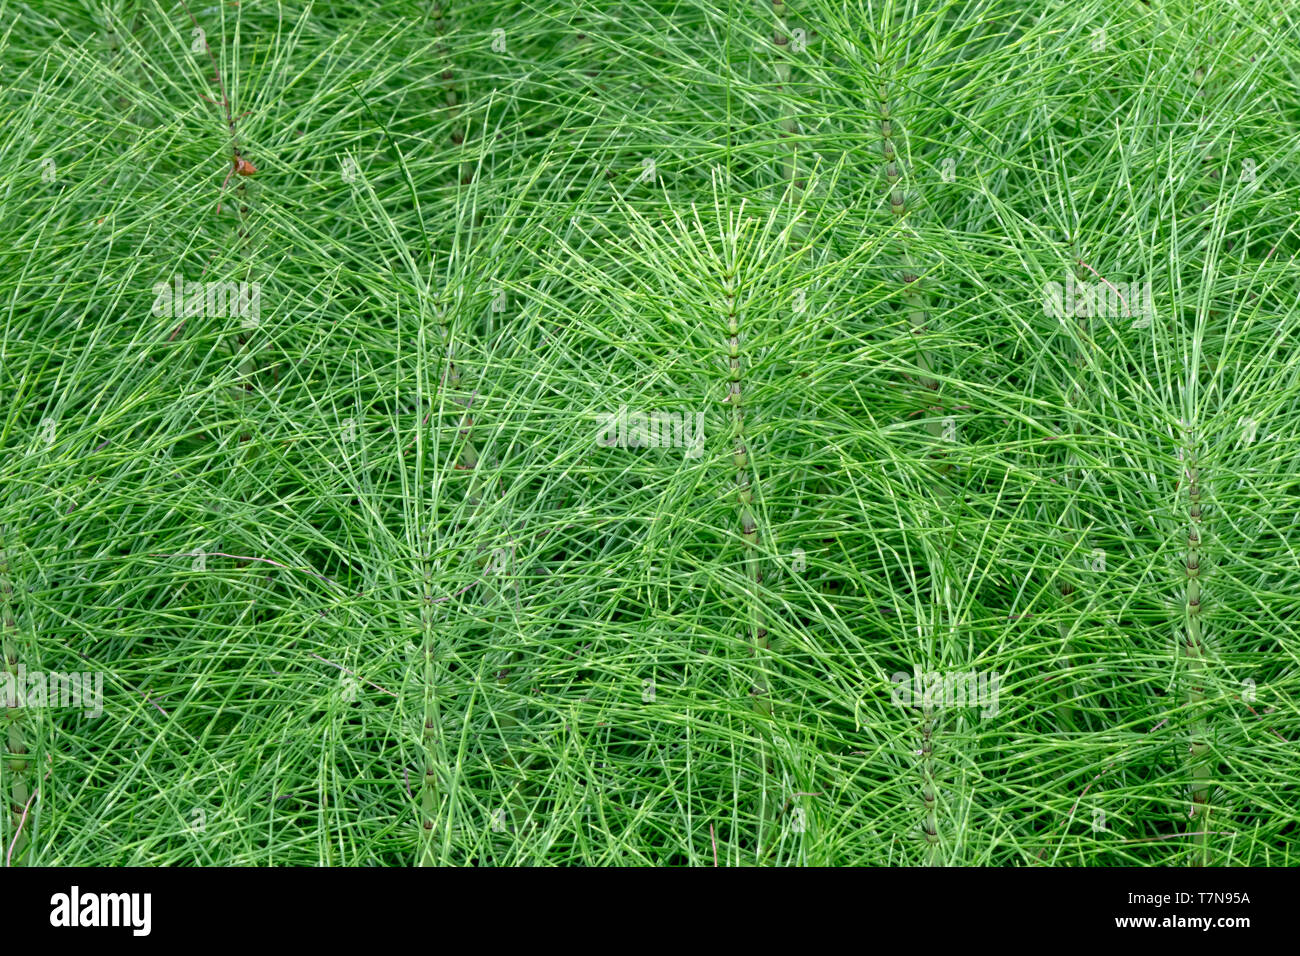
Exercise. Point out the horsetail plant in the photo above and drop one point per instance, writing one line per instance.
(740, 460)
(1071, 480)
(642, 689)
(919, 319)
(18, 737)
(789, 124)
(1194, 662)
(241, 168)
(451, 94)
(744, 493)
(918, 314)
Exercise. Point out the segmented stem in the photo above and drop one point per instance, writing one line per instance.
(918, 316)
(450, 93)
(247, 365)
(760, 691)
(930, 828)
(789, 125)
(467, 459)
(744, 493)
(431, 734)
(1071, 481)
(1194, 661)
(18, 761)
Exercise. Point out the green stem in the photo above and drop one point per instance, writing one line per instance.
(18, 762)
(1071, 480)
(431, 735)
(789, 125)
(1194, 659)
(760, 692)
(745, 494)
(918, 316)
(930, 829)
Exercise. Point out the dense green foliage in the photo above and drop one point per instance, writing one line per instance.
(366, 588)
